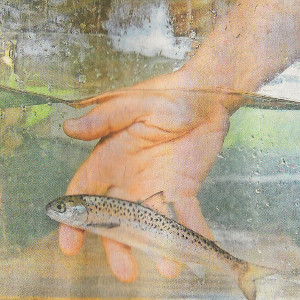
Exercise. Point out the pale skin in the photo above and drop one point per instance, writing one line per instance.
(160, 136)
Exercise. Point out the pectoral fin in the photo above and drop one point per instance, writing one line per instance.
(104, 225)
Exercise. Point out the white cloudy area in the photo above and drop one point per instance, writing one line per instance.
(146, 30)
(39, 44)
(285, 85)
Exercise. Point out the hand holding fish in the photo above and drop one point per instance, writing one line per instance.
(163, 135)
(152, 141)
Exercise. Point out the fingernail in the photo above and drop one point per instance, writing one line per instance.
(69, 125)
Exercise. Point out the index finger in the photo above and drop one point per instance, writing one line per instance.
(71, 239)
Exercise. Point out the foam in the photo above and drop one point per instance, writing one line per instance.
(146, 30)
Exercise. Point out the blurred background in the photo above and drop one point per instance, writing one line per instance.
(73, 49)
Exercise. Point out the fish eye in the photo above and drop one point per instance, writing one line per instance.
(61, 207)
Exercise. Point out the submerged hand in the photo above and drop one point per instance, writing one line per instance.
(167, 140)
(153, 137)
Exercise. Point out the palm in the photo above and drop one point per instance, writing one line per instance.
(154, 141)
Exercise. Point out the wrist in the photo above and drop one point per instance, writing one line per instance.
(249, 47)
(253, 43)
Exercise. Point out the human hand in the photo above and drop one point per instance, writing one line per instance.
(153, 137)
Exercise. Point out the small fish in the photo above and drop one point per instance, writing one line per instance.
(138, 225)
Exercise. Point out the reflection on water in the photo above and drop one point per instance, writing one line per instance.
(77, 65)
(251, 197)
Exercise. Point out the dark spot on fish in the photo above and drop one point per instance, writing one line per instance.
(228, 256)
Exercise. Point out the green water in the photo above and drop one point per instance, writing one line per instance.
(252, 186)
(38, 172)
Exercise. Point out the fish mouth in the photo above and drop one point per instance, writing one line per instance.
(51, 213)
(48, 207)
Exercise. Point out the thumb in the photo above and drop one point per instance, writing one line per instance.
(111, 116)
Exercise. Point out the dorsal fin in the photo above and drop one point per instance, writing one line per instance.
(156, 202)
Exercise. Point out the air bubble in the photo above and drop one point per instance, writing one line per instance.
(82, 79)
(192, 34)
(220, 155)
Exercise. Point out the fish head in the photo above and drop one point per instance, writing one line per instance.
(70, 210)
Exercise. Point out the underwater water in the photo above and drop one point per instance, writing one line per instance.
(250, 198)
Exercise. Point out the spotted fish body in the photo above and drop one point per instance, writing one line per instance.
(137, 225)
(141, 227)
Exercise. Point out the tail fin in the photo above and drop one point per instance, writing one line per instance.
(246, 278)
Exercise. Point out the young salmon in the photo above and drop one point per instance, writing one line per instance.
(142, 227)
